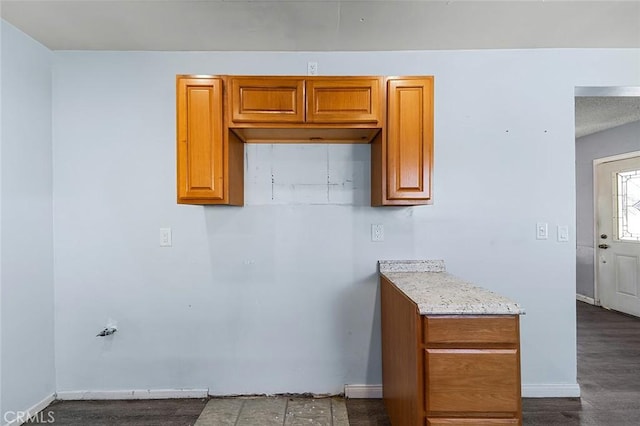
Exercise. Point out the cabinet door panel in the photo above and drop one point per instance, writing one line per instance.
(409, 138)
(200, 139)
(472, 422)
(267, 100)
(344, 100)
(469, 380)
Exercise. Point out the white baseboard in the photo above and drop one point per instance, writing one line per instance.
(133, 394)
(551, 391)
(528, 391)
(30, 412)
(363, 391)
(585, 299)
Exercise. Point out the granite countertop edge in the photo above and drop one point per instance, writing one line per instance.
(440, 293)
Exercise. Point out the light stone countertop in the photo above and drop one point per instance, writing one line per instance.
(440, 293)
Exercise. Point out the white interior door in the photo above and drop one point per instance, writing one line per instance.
(618, 235)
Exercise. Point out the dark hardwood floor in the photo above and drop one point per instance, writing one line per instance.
(608, 373)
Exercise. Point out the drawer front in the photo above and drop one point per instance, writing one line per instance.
(272, 100)
(344, 101)
(472, 422)
(471, 329)
(472, 381)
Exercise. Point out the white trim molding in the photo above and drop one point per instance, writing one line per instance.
(585, 299)
(363, 391)
(30, 412)
(601, 91)
(551, 390)
(133, 394)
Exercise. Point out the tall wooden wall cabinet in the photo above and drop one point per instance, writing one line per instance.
(217, 114)
(210, 162)
(402, 154)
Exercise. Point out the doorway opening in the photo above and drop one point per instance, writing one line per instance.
(607, 130)
(617, 233)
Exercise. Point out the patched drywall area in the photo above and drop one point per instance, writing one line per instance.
(338, 174)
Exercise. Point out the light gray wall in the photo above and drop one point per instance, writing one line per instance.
(26, 260)
(610, 142)
(282, 295)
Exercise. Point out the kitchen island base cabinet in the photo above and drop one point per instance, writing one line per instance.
(472, 422)
(448, 369)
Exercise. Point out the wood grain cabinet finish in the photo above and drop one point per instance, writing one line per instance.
(344, 100)
(471, 381)
(404, 155)
(267, 100)
(447, 370)
(217, 114)
(472, 422)
(470, 330)
(209, 160)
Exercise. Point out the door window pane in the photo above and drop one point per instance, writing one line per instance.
(628, 194)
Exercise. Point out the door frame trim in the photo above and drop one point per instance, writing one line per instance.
(596, 163)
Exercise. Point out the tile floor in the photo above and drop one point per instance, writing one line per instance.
(274, 411)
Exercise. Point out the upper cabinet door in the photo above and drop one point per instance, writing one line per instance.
(409, 139)
(200, 140)
(344, 100)
(267, 100)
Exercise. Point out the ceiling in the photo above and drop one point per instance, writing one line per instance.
(347, 25)
(598, 113)
(320, 25)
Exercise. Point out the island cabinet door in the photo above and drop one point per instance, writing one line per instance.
(344, 100)
(472, 422)
(267, 100)
(469, 381)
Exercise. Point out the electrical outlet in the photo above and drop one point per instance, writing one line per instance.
(563, 233)
(165, 237)
(312, 68)
(377, 232)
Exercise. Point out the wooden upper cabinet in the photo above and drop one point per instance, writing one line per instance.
(216, 114)
(409, 143)
(209, 159)
(200, 140)
(344, 100)
(267, 100)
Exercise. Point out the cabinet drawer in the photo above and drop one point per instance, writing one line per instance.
(470, 329)
(472, 380)
(472, 422)
(355, 100)
(267, 100)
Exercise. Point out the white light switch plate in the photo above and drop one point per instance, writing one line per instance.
(542, 231)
